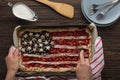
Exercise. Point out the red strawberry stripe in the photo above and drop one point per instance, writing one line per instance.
(50, 66)
(54, 59)
(74, 51)
(72, 42)
(58, 51)
(69, 33)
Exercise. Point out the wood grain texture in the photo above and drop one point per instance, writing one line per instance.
(110, 35)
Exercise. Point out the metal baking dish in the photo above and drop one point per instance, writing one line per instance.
(19, 28)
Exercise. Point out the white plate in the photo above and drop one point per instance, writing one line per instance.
(102, 25)
(109, 18)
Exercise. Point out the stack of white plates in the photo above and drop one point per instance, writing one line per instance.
(110, 17)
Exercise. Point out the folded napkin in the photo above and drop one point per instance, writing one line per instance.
(97, 65)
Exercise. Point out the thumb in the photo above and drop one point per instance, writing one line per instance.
(11, 50)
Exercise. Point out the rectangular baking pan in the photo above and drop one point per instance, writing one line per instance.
(91, 26)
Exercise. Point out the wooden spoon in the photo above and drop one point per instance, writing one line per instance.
(62, 8)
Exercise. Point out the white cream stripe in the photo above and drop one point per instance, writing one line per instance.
(52, 63)
(70, 47)
(34, 77)
(69, 37)
(52, 55)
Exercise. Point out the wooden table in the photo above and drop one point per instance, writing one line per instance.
(110, 35)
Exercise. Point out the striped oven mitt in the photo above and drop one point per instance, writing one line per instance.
(97, 65)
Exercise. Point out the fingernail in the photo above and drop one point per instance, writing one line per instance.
(14, 51)
(17, 53)
(81, 51)
(13, 48)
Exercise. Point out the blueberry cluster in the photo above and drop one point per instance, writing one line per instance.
(36, 42)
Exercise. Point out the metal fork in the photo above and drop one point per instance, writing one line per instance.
(102, 13)
(95, 7)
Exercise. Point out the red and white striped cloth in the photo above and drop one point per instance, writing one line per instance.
(97, 65)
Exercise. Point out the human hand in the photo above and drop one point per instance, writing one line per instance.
(12, 60)
(83, 69)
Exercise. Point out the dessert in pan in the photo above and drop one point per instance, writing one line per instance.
(52, 49)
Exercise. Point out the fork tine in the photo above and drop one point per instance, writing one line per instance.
(92, 11)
